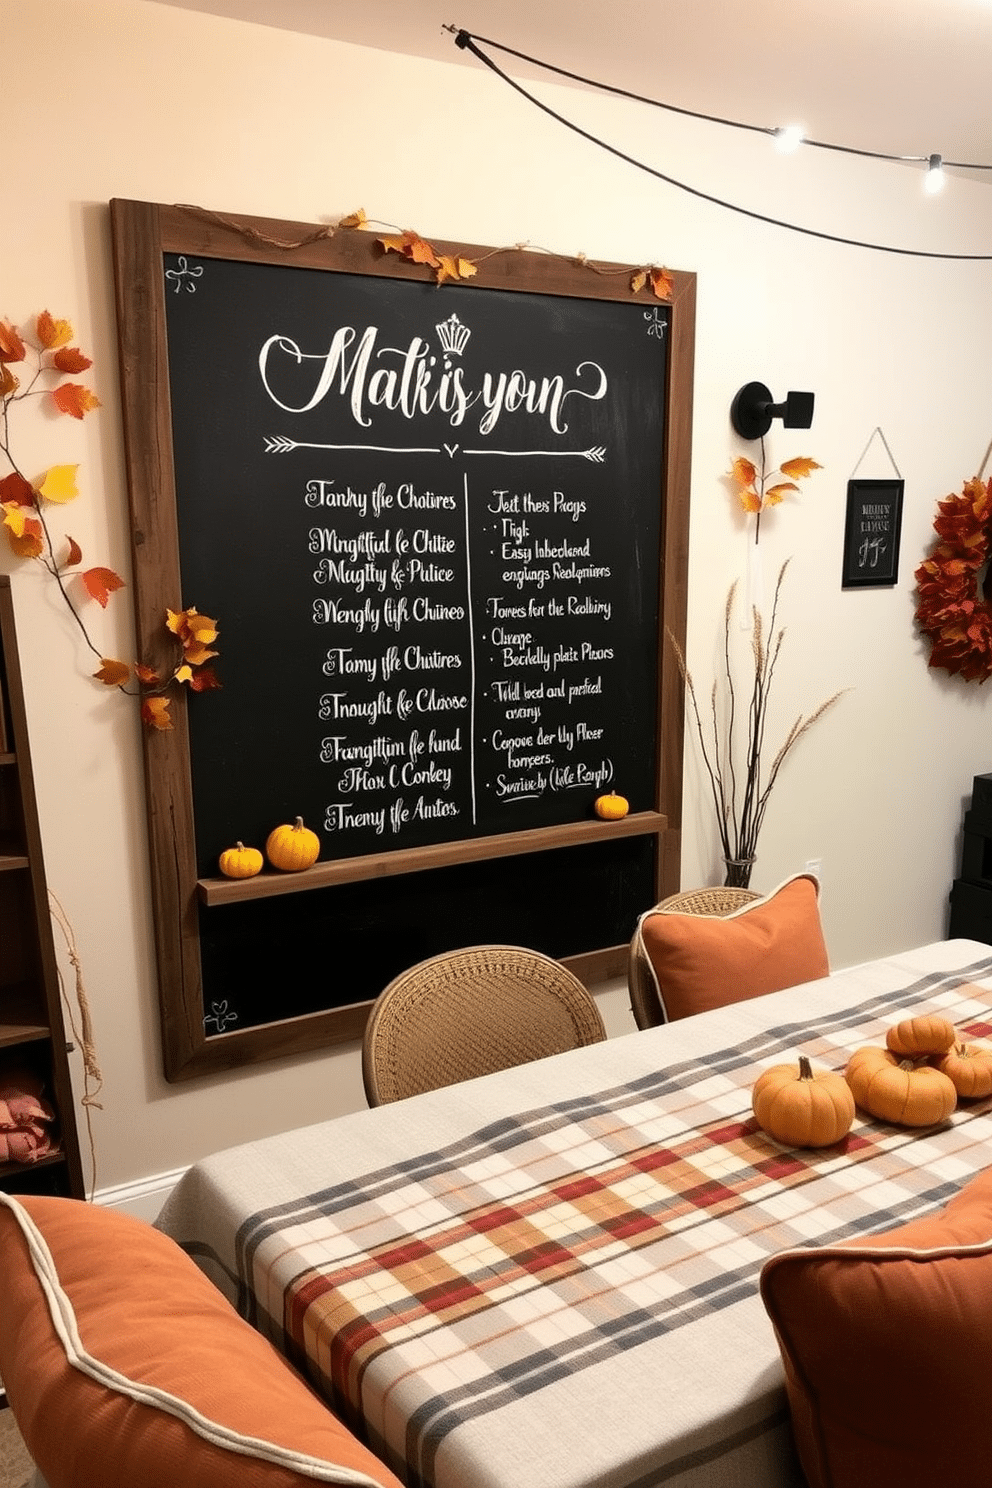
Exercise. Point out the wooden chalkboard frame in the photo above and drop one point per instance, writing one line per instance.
(142, 233)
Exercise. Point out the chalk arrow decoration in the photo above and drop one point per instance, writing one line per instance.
(278, 444)
(596, 453)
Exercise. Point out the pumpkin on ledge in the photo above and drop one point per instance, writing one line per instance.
(292, 848)
(240, 861)
(611, 807)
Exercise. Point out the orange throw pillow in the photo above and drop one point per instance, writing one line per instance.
(124, 1364)
(885, 1345)
(706, 961)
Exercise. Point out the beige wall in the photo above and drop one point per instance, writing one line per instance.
(125, 98)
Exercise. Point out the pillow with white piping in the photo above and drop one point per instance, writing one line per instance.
(701, 961)
(124, 1365)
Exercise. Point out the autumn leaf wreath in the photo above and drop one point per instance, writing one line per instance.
(952, 583)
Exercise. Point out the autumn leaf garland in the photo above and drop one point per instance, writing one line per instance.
(452, 268)
(43, 362)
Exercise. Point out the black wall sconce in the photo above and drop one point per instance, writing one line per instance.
(752, 411)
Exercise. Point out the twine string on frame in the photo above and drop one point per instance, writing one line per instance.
(252, 234)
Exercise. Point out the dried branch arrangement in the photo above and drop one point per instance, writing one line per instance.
(733, 738)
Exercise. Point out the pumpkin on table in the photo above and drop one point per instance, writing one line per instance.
(905, 1091)
(803, 1108)
(969, 1068)
(927, 1033)
(292, 848)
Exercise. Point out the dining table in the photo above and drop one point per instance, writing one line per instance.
(548, 1277)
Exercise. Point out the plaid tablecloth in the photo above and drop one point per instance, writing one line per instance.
(548, 1278)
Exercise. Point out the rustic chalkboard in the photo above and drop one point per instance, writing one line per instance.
(443, 531)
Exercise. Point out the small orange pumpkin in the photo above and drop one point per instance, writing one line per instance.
(899, 1090)
(802, 1108)
(240, 861)
(611, 807)
(927, 1033)
(292, 848)
(969, 1068)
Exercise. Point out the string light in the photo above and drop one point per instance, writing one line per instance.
(933, 181)
(789, 138)
(466, 41)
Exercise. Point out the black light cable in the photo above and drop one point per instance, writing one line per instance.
(467, 42)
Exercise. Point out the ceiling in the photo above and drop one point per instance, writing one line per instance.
(903, 77)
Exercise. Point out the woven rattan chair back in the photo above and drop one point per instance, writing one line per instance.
(645, 1003)
(468, 1013)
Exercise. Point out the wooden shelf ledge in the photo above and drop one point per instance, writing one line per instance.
(269, 883)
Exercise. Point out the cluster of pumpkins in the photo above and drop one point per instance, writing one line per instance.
(290, 848)
(915, 1080)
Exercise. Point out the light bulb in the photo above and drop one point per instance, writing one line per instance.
(788, 138)
(933, 181)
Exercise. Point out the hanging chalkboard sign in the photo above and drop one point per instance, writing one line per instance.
(443, 532)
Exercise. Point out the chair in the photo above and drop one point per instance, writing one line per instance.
(471, 1012)
(644, 1001)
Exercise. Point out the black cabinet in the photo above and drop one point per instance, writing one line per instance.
(971, 893)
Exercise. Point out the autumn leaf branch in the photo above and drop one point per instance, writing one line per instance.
(753, 490)
(43, 361)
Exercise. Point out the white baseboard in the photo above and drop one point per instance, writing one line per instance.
(143, 1198)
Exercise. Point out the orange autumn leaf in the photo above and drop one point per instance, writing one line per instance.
(799, 467)
(29, 545)
(146, 674)
(14, 488)
(750, 501)
(193, 629)
(51, 332)
(18, 520)
(420, 251)
(12, 348)
(196, 654)
(59, 484)
(155, 712)
(23, 531)
(204, 679)
(454, 268)
(412, 246)
(74, 399)
(71, 359)
(8, 382)
(660, 281)
(199, 678)
(354, 219)
(112, 673)
(75, 553)
(775, 493)
(661, 284)
(101, 583)
(743, 471)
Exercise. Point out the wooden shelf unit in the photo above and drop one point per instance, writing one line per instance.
(32, 1033)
